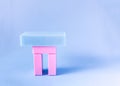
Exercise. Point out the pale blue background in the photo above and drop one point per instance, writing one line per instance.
(92, 54)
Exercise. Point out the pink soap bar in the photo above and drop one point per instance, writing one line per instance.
(38, 51)
(37, 64)
(51, 64)
(44, 49)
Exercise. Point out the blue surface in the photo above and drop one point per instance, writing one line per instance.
(92, 54)
(42, 39)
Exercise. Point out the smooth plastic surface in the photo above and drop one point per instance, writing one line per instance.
(44, 49)
(38, 51)
(51, 64)
(37, 64)
(42, 38)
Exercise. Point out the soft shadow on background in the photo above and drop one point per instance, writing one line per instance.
(78, 63)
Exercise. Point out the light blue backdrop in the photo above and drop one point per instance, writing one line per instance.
(92, 54)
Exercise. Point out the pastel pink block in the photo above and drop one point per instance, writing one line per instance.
(44, 49)
(51, 64)
(38, 51)
(38, 64)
